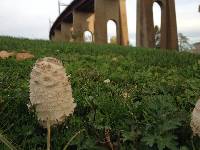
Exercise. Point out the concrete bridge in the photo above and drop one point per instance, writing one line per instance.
(93, 15)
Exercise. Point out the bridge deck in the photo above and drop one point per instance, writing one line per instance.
(67, 14)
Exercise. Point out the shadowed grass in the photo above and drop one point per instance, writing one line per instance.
(5, 141)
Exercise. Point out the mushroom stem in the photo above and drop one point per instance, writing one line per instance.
(48, 135)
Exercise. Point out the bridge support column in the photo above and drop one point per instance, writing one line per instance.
(83, 21)
(115, 10)
(145, 25)
(67, 29)
(58, 37)
(52, 38)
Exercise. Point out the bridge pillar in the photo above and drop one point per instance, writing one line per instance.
(83, 21)
(145, 25)
(67, 29)
(58, 37)
(52, 38)
(115, 10)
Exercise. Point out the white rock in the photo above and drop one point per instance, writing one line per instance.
(107, 81)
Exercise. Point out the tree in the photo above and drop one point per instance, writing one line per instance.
(157, 36)
(184, 44)
(113, 40)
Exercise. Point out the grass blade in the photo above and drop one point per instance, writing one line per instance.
(5, 141)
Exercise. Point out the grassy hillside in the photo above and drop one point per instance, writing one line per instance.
(146, 105)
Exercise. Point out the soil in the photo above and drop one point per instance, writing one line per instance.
(6, 54)
(24, 56)
(19, 56)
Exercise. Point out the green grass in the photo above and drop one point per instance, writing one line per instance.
(162, 89)
(6, 142)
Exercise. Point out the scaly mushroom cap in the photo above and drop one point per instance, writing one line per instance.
(50, 91)
(195, 122)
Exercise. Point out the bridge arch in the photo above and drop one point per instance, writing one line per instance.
(145, 25)
(157, 10)
(106, 10)
(112, 30)
(88, 36)
(92, 15)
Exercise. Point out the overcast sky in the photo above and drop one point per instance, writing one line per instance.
(30, 18)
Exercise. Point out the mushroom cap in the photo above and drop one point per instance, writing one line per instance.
(195, 121)
(51, 92)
